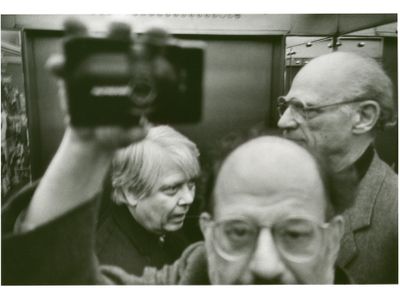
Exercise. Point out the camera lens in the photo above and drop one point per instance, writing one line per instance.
(143, 94)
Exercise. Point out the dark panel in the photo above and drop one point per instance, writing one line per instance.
(237, 89)
(44, 112)
(277, 80)
(387, 141)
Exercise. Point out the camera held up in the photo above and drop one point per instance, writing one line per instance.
(116, 80)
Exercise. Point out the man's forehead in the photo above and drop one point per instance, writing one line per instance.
(311, 89)
(267, 155)
(268, 209)
(267, 172)
(275, 184)
(324, 78)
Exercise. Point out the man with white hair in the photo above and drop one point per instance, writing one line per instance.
(153, 186)
(336, 105)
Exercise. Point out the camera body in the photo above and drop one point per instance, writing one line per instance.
(117, 82)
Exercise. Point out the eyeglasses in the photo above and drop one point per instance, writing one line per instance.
(297, 239)
(307, 112)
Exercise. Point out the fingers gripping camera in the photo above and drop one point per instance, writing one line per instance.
(116, 80)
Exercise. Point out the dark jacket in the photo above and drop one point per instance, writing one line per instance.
(122, 242)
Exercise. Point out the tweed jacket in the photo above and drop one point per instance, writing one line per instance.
(369, 246)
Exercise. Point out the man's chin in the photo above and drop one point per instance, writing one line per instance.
(174, 226)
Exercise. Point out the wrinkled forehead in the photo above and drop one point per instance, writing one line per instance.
(322, 81)
(276, 185)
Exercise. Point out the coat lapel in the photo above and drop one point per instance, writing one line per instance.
(360, 214)
(348, 247)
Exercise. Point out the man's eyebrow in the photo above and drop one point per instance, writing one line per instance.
(176, 183)
(305, 104)
(293, 100)
(172, 184)
(290, 99)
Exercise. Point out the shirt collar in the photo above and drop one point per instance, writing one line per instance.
(362, 164)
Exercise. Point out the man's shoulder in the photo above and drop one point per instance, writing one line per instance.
(386, 182)
(193, 265)
(380, 181)
(379, 167)
(193, 252)
(189, 269)
(377, 195)
(391, 177)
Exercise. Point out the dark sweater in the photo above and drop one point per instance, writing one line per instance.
(123, 242)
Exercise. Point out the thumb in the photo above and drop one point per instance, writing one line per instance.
(56, 65)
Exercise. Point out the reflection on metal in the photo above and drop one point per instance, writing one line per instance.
(10, 49)
(301, 49)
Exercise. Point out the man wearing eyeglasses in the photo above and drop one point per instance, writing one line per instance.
(336, 105)
(271, 218)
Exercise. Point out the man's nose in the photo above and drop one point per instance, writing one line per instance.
(266, 263)
(287, 121)
(186, 195)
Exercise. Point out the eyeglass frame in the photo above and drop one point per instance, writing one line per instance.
(284, 254)
(307, 109)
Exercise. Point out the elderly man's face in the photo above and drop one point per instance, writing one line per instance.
(328, 130)
(166, 207)
(268, 223)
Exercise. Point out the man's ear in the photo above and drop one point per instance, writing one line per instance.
(336, 229)
(366, 117)
(130, 198)
(204, 221)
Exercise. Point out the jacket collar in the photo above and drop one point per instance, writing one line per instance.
(195, 271)
(360, 214)
(146, 242)
(367, 192)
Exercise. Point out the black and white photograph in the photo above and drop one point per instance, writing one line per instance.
(199, 149)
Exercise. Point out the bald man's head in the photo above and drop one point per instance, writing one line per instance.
(335, 105)
(269, 219)
(343, 76)
(268, 166)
